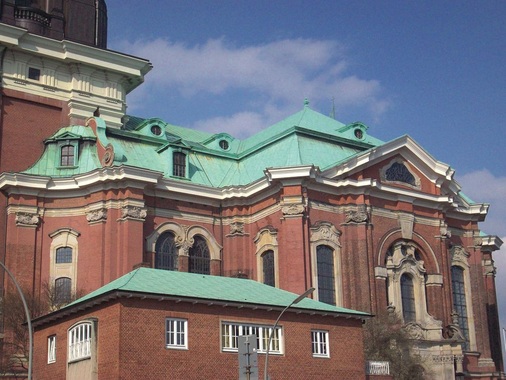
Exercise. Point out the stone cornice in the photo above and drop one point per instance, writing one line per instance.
(67, 51)
(100, 179)
(490, 243)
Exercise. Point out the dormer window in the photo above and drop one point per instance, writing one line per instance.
(67, 155)
(224, 144)
(179, 164)
(156, 130)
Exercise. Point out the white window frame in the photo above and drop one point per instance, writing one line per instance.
(51, 349)
(79, 339)
(230, 331)
(320, 343)
(176, 333)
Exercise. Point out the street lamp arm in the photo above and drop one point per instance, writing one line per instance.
(271, 333)
(28, 319)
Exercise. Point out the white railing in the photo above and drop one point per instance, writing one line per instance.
(377, 368)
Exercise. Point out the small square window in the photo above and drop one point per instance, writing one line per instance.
(51, 349)
(176, 333)
(33, 73)
(320, 343)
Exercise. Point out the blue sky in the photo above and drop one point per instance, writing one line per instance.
(435, 70)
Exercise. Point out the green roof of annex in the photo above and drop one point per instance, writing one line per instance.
(215, 160)
(217, 289)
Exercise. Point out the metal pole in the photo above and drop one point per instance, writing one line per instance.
(296, 300)
(28, 319)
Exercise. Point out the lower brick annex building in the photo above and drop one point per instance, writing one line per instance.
(155, 324)
(306, 202)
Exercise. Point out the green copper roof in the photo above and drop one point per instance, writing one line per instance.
(205, 287)
(86, 155)
(215, 160)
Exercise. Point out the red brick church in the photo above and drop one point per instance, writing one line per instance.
(89, 193)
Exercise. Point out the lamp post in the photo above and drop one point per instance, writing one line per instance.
(28, 319)
(295, 301)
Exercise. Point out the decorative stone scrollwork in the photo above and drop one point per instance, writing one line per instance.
(453, 331)
(96, 216)
(322, 231)
(25, 219)
(477, 241)
(444, 231)
(133, 212)
(488, 268)
(405, 252)
(108, 158)
(236, 229)
(459, 254)
(414, 330)
(359, 215)
(293, 210)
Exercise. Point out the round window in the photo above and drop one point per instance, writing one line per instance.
(358, 133)
(224, 144)
(156, 130)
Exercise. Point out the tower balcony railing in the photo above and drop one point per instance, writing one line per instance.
(32, 14)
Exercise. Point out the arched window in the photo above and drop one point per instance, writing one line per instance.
(67, 155)
(268, 268)
(326, 277)
(62, 290)
(64, 255)
(408, 299)
(166, 252)
(179, 164)
(79, 340)
(200, 260)
(459, 301)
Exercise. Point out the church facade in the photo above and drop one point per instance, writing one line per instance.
(308, 202)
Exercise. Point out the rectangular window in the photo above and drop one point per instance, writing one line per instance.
(176, 333)
(67, 155)
(320, 343)
(230, 332)
(33, 73)
(64, 255)
(179, 164)
(51, 349)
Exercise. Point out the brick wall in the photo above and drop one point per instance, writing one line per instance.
(131, 343)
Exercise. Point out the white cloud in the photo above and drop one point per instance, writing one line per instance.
(279, 73)
(238, 125)
(482, 186)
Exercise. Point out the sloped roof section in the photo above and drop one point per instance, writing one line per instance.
(86, 154)
(211, 288)
(214, 160)
(305, 138)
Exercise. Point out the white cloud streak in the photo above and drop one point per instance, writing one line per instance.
(277, 75)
